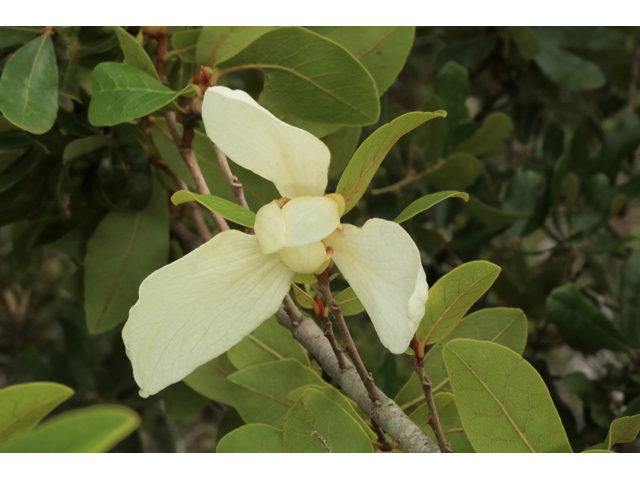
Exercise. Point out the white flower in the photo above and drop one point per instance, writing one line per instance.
(198, 307)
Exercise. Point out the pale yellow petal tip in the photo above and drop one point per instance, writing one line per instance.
(143, 394)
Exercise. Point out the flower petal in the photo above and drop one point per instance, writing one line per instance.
(306, 259)
(293, 159)
(382, 264)
(198, 307)
(271, 228)
(310, 219)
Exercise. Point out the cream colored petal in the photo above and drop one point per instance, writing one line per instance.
(293, 159)
(306, 259)
(310, 219)
(198, 307)
(270, 228)
(382, 264)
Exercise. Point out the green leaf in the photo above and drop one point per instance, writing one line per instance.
(180, 401)
(630, 298)
(316, 424)
(621, 142)
(382, 50)
(68, 80)
(452, 296)
(269, 342)
(349, 302)
(505, 326)
(503, 402)
(23, 406)
(449, 420)
(122, 93)
(492, 215)
(11, 36)
(134, 54)
(468, 51)
(526, 40)
(263, 396)
(490, 137)
(452, 88)
(121, 253)
(426, 202)
(304, 278)
(29, 86)
(229, 210)
(186, 42)
(342, 143)
(457, 172)
(254, 438)
(337, 397)
(302, 297)
(578, 318)
(82, 146)
(211, 380)
(622, 430)
(310, 77)
(369, 156)
(217, 44)
(86, 430)
(568, 70)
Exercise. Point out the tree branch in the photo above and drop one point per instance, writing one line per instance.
(386, 414)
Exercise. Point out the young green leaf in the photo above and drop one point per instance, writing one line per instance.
(349, 303)
(369, 156)
(622, 430)
(305, 77)
(217, 44)
(229, 210)
(449, 420)
(316, 424)
(427, 202)
(123, 251)
(122, 93)
(264, 389)
(254, 438)
(29, 86)
(86, 430)
(269, 342)
(452, 296)
(210, 380)
(503, 402)
(22, 406)
(578, 318)
(134, 54)
(505, 326)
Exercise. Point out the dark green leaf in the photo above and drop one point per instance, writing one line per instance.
(630, 298)
(254, 438)
(568, 70)
(458, 172)
(217, 44)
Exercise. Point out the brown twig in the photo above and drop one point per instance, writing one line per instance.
(432, 419)
(384, 443)
(189, 239)
(232, 181)
(184, 146)
(349, 345)
(323, 315)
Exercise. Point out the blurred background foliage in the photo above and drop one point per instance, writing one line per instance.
(542, 132)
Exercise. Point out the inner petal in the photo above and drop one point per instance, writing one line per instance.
(310, 219)
(270, 228)
(305, 259)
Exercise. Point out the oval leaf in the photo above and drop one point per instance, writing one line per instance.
(427, 202)
(503, 402)
(134, 54)
(23, 406)
(123, 251)
(86, 430)
(623, 430)
(254, 438)
(217, 44)
(315, 424)
(367, 159)
(452, 296)
(229, 210)
(305, 76)
(29, 86)
(122, 93)
(210, 380)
